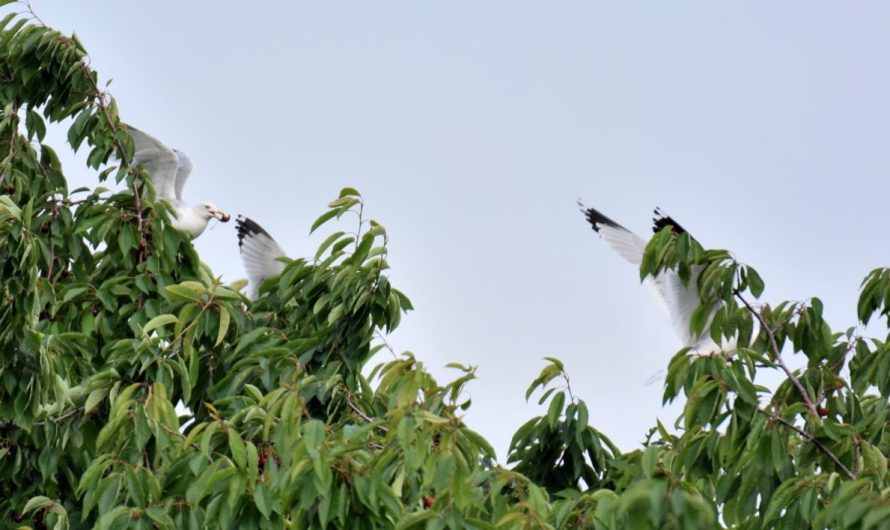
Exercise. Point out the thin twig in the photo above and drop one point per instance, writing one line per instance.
(58, 419)
(358, 411)
(809, 439)
(778, 356)
(33, 14)
(361, 210)
(386, 345)
(568, 386)
(178, 434)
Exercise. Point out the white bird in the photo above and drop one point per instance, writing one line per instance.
(677, 299)
(259, 252)
(169, 169)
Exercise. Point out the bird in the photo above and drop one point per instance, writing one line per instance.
(678, 299)
(260, 254)
(169, 169)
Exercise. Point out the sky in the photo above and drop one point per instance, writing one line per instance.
(471, 128)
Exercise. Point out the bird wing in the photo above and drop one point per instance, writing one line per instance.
(629, 245)
(676, 299)
(259, 253)
(681, 300)
(159, 161)
(183, 170)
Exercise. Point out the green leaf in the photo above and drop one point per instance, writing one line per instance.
(327, 243)
(224, 318)
(94, 399)
(346, 192)
(313, 435)
(336, 313)
(236, 446)
(184, 293)
(37, 503)
(108, 518)
(755, 282)
(158, 321)
(261, 499)
(323, 218)
(555, 409)
(413, 520)
(649, 460)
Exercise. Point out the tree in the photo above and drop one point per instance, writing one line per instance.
(109, 318)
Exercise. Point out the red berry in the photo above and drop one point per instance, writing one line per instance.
(822, 411)
(428, 501)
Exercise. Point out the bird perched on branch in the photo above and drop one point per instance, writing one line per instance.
(169, 169)
(678, 299)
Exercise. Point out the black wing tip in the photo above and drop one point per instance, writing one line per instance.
(596, 218)
(662, 220)
(245, 226)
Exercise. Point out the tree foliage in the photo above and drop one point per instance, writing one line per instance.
(109, 318)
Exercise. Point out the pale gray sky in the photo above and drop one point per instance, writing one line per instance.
(471, 128)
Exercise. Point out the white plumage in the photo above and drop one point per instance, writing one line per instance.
(259, 253)
(678, 300)
(169, 169)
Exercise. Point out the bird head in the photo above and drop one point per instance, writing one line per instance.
(208, 210)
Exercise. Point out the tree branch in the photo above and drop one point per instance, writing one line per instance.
(809, 439)
(777, 353)
(58, 419)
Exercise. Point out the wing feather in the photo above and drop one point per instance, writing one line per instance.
(183, 170)
(259, 253)
(159, 161)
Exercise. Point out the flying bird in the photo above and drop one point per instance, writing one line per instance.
(679, 300)
(169, 169)
(259, 252)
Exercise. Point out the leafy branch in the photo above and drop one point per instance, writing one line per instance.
(809, 439)
(98, 97)
(777, 355)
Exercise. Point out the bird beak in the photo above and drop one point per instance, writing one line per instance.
(223, 217)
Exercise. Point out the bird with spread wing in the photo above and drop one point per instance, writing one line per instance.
(169, 169)
(678, 299)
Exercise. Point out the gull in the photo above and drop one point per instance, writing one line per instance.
(169, 169)
(259, 252)
(679, 300)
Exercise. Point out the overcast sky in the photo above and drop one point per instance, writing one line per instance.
(472, 127)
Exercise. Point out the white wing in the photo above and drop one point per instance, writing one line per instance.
(159, 160)
(679, 301)
(258, 252)
(183, 170)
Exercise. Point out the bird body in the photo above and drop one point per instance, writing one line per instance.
(169, 169)
(678, 299)
(260, 254)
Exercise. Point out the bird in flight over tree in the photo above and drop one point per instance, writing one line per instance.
(169, 169)
(678, 299)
